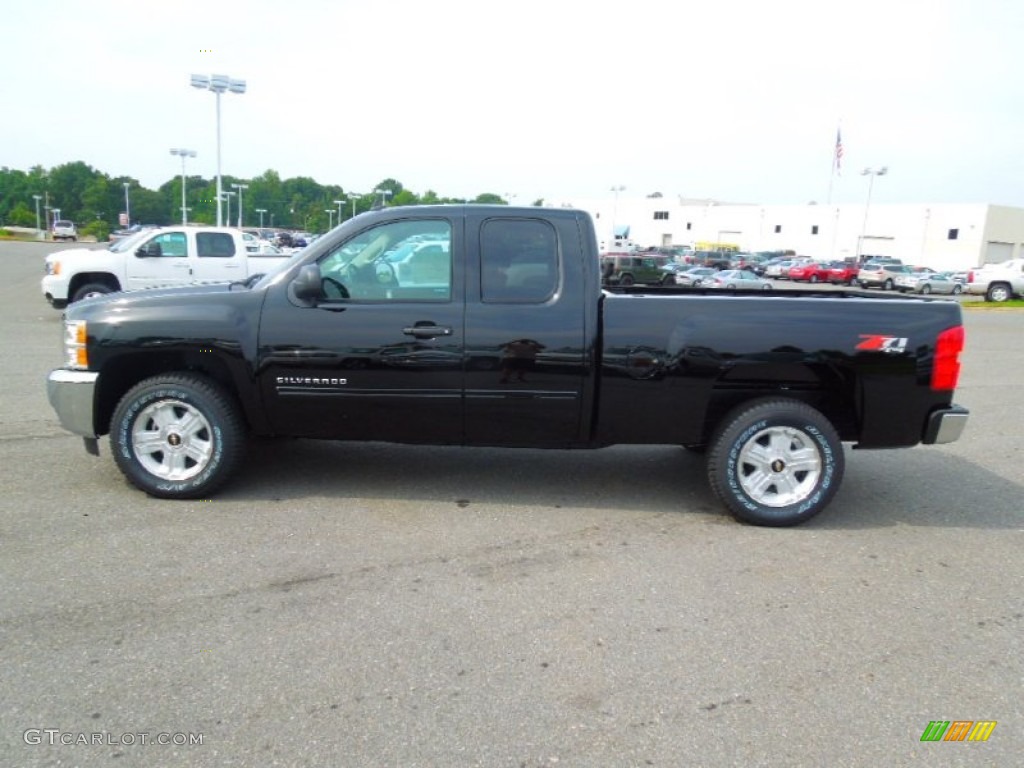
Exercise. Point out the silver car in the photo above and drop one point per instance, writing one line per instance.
(737, 278)
(939, 282)
(694, 276)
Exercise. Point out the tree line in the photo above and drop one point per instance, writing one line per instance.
(95, 201)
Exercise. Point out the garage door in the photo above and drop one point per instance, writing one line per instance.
(996, 253)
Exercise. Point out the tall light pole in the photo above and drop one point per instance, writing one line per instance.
(183, 153)
(261, 211)
(871, 173)
(330, 218)
(37, 198)
(127, 205)
(218, 84)
(239, 188)
(384, 195)
(339, 203)
(615, 211)
(228, 196)
(353, 196)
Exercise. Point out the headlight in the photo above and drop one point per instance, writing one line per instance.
(53, 267)
(76, 354)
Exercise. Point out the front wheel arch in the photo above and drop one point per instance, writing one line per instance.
(101, 280)
(775, 462)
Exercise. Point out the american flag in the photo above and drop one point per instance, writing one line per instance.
(838, 159)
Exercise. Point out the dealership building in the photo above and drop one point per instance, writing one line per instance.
(941, 236)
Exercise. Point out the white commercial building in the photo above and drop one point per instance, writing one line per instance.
(941, 236)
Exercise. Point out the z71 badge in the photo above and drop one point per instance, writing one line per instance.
(878, 343)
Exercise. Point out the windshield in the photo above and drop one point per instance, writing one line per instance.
(127, 243)
(284, 266)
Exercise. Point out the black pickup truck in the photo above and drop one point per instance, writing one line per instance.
(488, 325)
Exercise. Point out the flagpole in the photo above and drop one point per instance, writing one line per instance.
(837, 157)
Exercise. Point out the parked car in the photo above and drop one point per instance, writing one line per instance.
(938, 282)
(716, 259)
(908, 281)
(842, 272)
(808, 271)
(694, 276)
(64, 230)
(761, 270)
(631, 269)
(880, 275)
(778, 268)
(737, 278)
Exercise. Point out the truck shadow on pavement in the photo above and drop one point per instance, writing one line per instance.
(918, 487)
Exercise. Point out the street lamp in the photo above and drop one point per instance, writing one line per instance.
(228, 196)
(353, 196)
(339, 203)
(239, 187)
(183, 153)
(615, 211)
(871, 173)
(127, 205)
(218, 84)
(261, 211)
(37, 198)
(384, 195)
(330, 218)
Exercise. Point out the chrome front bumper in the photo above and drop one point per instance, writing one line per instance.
(71, 394)
(945, 425)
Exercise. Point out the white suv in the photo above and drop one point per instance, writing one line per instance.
(64, 230)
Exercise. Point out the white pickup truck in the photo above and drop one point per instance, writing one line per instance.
(154, 258)
(997, 282)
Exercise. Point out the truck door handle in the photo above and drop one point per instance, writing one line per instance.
(427, 330)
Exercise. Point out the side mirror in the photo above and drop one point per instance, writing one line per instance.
(149, 250)
(305, 287)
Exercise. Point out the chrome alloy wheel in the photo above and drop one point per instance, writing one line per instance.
(779, 466)
(172, 440)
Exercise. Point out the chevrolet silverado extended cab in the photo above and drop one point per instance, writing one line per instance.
(488, 325)
(154, 258)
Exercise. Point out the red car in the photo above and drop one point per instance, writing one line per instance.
(842, 272)
(809, 271)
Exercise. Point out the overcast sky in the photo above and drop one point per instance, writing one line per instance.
(737, 100)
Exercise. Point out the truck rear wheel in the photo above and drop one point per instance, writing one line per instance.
(998, 292)
(775, 462)
(177, 436)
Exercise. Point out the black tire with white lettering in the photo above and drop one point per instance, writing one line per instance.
(177, 436)
(775, 462)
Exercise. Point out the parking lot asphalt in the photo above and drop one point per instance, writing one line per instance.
(375, 605)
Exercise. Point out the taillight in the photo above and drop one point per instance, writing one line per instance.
(970, 276)
(946, 370)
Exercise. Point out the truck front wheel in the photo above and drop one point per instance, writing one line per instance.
(775, 462)
(177, 436)
(89, 290)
